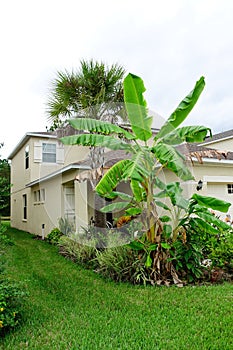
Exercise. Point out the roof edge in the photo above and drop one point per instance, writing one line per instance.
(25, 138)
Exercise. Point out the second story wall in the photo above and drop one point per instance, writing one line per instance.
(40, 156)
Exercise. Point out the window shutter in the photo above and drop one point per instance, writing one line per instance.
(60, 153)
(37, 152)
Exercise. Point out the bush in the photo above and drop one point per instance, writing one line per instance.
(221, 253)
(54, 236)
(121, 263)
(11, 298)
(82, 254)
(65, 226)
(4, 239)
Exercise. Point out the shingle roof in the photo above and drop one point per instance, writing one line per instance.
(193, 150)
(219, 136)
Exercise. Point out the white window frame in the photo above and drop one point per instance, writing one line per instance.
(49, 152)
(39, 196)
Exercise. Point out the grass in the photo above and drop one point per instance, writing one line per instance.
(72, 308)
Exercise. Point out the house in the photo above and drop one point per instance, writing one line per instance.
(43, 190)
(46, 177)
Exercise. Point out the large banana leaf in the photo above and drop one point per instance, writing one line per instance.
(112, 178)
(133, 211)
(211, 202)
(114, 207)
(138, 192)
(182, 111)
(197, 223)
(98, 126)
(135, 170)
(136, 107)
(212, 219)
(172, 160)
(187, 134)
(174, 192)
(96, 140)
(121, 195)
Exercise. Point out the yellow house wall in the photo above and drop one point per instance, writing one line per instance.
(75, 153)
(223, 145)
(215, 179)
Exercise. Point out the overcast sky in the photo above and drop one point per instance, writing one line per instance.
(169, 43)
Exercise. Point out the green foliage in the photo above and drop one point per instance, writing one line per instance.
(82, 254)
(96, 140)
(4, 239)
(118, 263)
(12, 293)
(11, 298)
(161, 244)
(136, 107)
(74, 308)
(98, 126)
(65, 226)
(182, 111)
(92, 91)
(187, 134)
(186, 254)
(211, 202)
(4, 187)
(54, 236)
(221, 251)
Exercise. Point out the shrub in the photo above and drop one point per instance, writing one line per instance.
(80, 253)
(65, 226)
(186, 257)
(121, 263)
(221, 253)
(11, 298)
(4, 239)
(54, 236)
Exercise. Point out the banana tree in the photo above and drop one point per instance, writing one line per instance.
(149, 154)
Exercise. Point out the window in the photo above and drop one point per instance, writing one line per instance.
(39, 196)
(24, 207)
(230, 188)
(49, 152)
(26, 157)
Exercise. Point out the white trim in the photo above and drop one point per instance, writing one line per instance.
(214, 161)
(58, 172)
(25, 138)
(218, 179)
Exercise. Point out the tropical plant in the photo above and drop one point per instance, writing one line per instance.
(150, 154)
(65, 226)
(93, 91)
(83, 254)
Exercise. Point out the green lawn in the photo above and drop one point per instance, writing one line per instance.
(72, 308)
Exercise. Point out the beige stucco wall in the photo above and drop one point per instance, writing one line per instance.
(75, 153)
(223, 145)
(215, 178)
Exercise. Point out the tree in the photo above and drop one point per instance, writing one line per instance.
(142, 172)
(4, 187)
(94, 91)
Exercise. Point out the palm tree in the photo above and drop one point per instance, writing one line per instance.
(94, 91)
